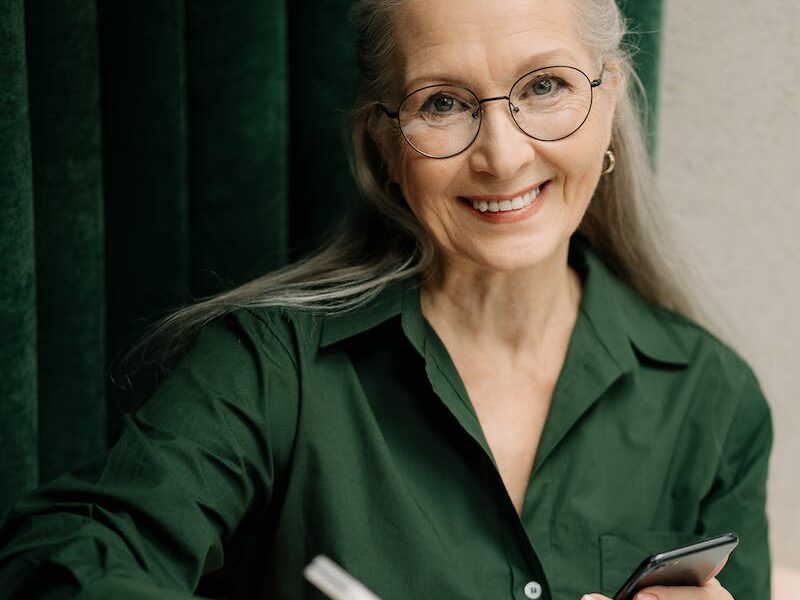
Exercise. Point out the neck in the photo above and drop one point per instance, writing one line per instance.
(517, 311)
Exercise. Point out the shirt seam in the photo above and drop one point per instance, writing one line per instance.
(270, 329)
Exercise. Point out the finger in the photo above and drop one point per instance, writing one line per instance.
(711, 590)
(719, 568)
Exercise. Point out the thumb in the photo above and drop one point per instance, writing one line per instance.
(594, 597)
(719, 568)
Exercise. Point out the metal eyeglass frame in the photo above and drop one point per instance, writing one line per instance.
(593, 83)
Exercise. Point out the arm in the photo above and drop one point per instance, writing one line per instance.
(152, 514)
(737, 499)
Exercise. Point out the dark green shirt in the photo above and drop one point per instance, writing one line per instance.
(282, 435)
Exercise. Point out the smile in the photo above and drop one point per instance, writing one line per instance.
(505, 204)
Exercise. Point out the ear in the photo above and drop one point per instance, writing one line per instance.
(613, 77)
(380, 135)
(611, 90)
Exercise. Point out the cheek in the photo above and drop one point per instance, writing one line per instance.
(577, 165)
(429, 190)
(426, 185)
(411, 184)
(582, 163)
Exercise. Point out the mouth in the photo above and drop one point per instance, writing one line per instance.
(505, 203)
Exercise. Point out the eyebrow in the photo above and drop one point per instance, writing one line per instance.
(548, 58)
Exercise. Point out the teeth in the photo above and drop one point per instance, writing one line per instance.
(506, 205)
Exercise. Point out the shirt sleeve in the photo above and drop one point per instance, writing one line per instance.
(150, 517)
(737, 500)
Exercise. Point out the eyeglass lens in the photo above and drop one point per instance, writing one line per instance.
(547, 104)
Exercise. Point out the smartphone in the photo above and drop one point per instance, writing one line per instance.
(690, 565)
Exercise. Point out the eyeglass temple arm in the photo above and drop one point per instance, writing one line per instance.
(597, 82)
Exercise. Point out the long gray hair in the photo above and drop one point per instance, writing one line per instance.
(383, 241)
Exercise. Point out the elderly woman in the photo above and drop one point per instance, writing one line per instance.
(483, 388)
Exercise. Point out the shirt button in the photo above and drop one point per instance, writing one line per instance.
(533, 590)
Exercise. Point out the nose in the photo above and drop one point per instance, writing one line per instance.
(502, 149)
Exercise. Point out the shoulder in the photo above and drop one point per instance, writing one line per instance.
(692, 366)
(296, 334)
(705, 351)
(725, 384)
(623, 318)
(699, 343)
(278, 331)
(240, 343)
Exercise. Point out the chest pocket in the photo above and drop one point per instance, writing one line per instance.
(621, 552)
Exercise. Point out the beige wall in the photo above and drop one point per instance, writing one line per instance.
(729, 171)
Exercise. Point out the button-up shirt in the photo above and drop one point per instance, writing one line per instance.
(283, 434)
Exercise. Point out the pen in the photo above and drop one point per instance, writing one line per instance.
(334, 581)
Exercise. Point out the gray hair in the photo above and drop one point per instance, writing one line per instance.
(383, 241)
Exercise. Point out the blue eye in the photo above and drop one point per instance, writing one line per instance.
(543, 86)
(441, 103)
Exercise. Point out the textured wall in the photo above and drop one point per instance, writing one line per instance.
(729, 171)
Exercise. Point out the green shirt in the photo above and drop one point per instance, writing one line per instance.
(283, 434)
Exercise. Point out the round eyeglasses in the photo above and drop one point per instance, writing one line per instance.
(548, 104)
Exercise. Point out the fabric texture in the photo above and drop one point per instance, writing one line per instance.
(284, 434)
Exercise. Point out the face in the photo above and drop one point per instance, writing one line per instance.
(486, 47)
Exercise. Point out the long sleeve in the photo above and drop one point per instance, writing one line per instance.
(150, 517)
(737, 500)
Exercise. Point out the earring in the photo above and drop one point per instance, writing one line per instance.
(612, 163)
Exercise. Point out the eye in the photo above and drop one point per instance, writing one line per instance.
(544, 85)
(440, 103)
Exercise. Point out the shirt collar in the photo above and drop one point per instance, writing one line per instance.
(620, 318)
(387, 304)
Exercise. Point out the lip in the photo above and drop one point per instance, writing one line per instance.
(500, 197)
(511, 216)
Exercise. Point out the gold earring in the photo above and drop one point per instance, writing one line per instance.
(612, 163)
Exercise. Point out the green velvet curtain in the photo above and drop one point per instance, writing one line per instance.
(152, 152)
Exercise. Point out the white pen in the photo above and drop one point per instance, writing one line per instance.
(334, 581)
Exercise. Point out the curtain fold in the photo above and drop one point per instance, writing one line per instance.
(323, 79)
(64, 106)
(152, 153)
(142, 73)
(237, 91)
(19, 465)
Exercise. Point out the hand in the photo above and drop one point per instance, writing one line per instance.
(711, 590)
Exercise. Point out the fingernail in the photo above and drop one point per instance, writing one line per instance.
(590, 597)
(645, 597)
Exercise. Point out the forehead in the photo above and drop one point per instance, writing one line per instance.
(476, 40)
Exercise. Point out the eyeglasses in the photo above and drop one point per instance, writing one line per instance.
(547, 104)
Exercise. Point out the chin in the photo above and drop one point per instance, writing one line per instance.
(512, 260)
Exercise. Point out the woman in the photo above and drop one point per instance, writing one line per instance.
(473, 393)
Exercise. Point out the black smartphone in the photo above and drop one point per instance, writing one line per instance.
(690, 565)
